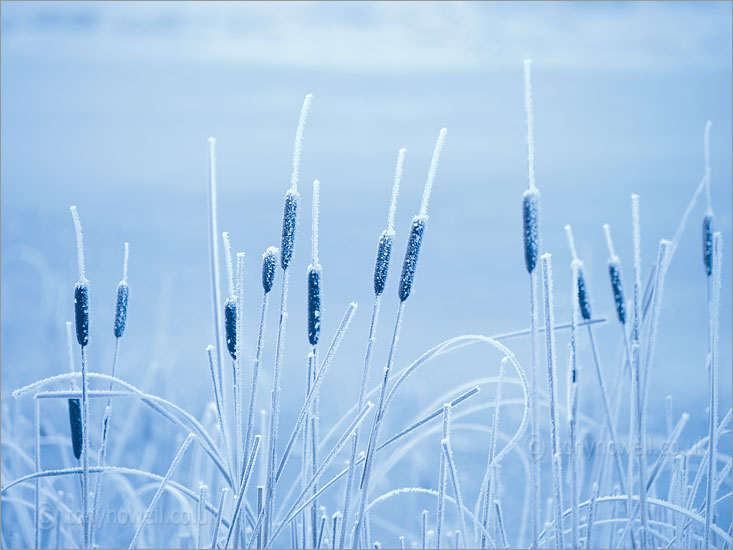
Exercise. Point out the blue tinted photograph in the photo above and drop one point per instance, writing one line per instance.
(363, 275)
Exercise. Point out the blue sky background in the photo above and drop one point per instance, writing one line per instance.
(108, 106)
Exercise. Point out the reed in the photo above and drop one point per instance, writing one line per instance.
(81, 316)
(547, 285)
(713, 422)
(290, 214)
(381, 272)
(120, 322)
(530, 218)
(405, 287)
(442, 479)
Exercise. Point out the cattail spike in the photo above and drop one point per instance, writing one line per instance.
(609, 241)
(381, 266)
(411, 255)
(614, 271)
(571, 241)
(314, 225)
(290, 217)
(269, 261)
(707, 243)
(395, 189)
(530, 218)
(123, 293)
(79, 242)
(431, 172)
(230, 326)
(81, 312)
(228, 259)
(299, 142)
(314, 304)
(529, 111)
(76, 427)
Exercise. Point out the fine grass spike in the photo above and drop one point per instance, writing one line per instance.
(203, 489)
(299, 142)
(636, 332)
(315, 212)
(424, 530)
(79, 242)
(125, 261)
(529, 112)
(228, 260)
(431, 172)
(395, 189)
(706, 144)
(707, 243)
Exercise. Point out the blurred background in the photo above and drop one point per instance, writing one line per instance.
(109, 105)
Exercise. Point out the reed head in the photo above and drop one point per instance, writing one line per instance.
(583, 301)
(411, 255)
(614, 271)
(290, 216)
(81, 311)
(530, 217)
(123, 291)
(230, 325)
(269, 261)
(75, 424)
(381, 266)
(707, 243)
(314, 303)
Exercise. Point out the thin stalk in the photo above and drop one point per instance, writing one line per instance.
(375, 426)
(255, 375)
(534, 426)
(355, 437)
(442, 480)
(552, 393)
(242, 489)
(275, 411)
(217, 521)
(214, 272)
(85, 443)
(161, 487)
(37, 448)
(448, 455)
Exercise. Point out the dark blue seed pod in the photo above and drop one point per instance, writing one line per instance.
(75, 424)
(530, 217)
(290, 216)
(614, 270)
(269, 261)
(123, 291)
(583, 302)
(314, 304)
(230, 326)
(81, 312)
(381, 267)
(411, 254)
(707, 243)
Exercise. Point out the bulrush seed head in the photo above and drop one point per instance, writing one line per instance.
(123, 291)
(614, 270)
(530, 215)
(583, 302)
(269, 261)
(290, 216)
(81, 312)
(707, 243)
(381, 267)
(314, 304)
(75, 423)
(411, 255)
(230, 325)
